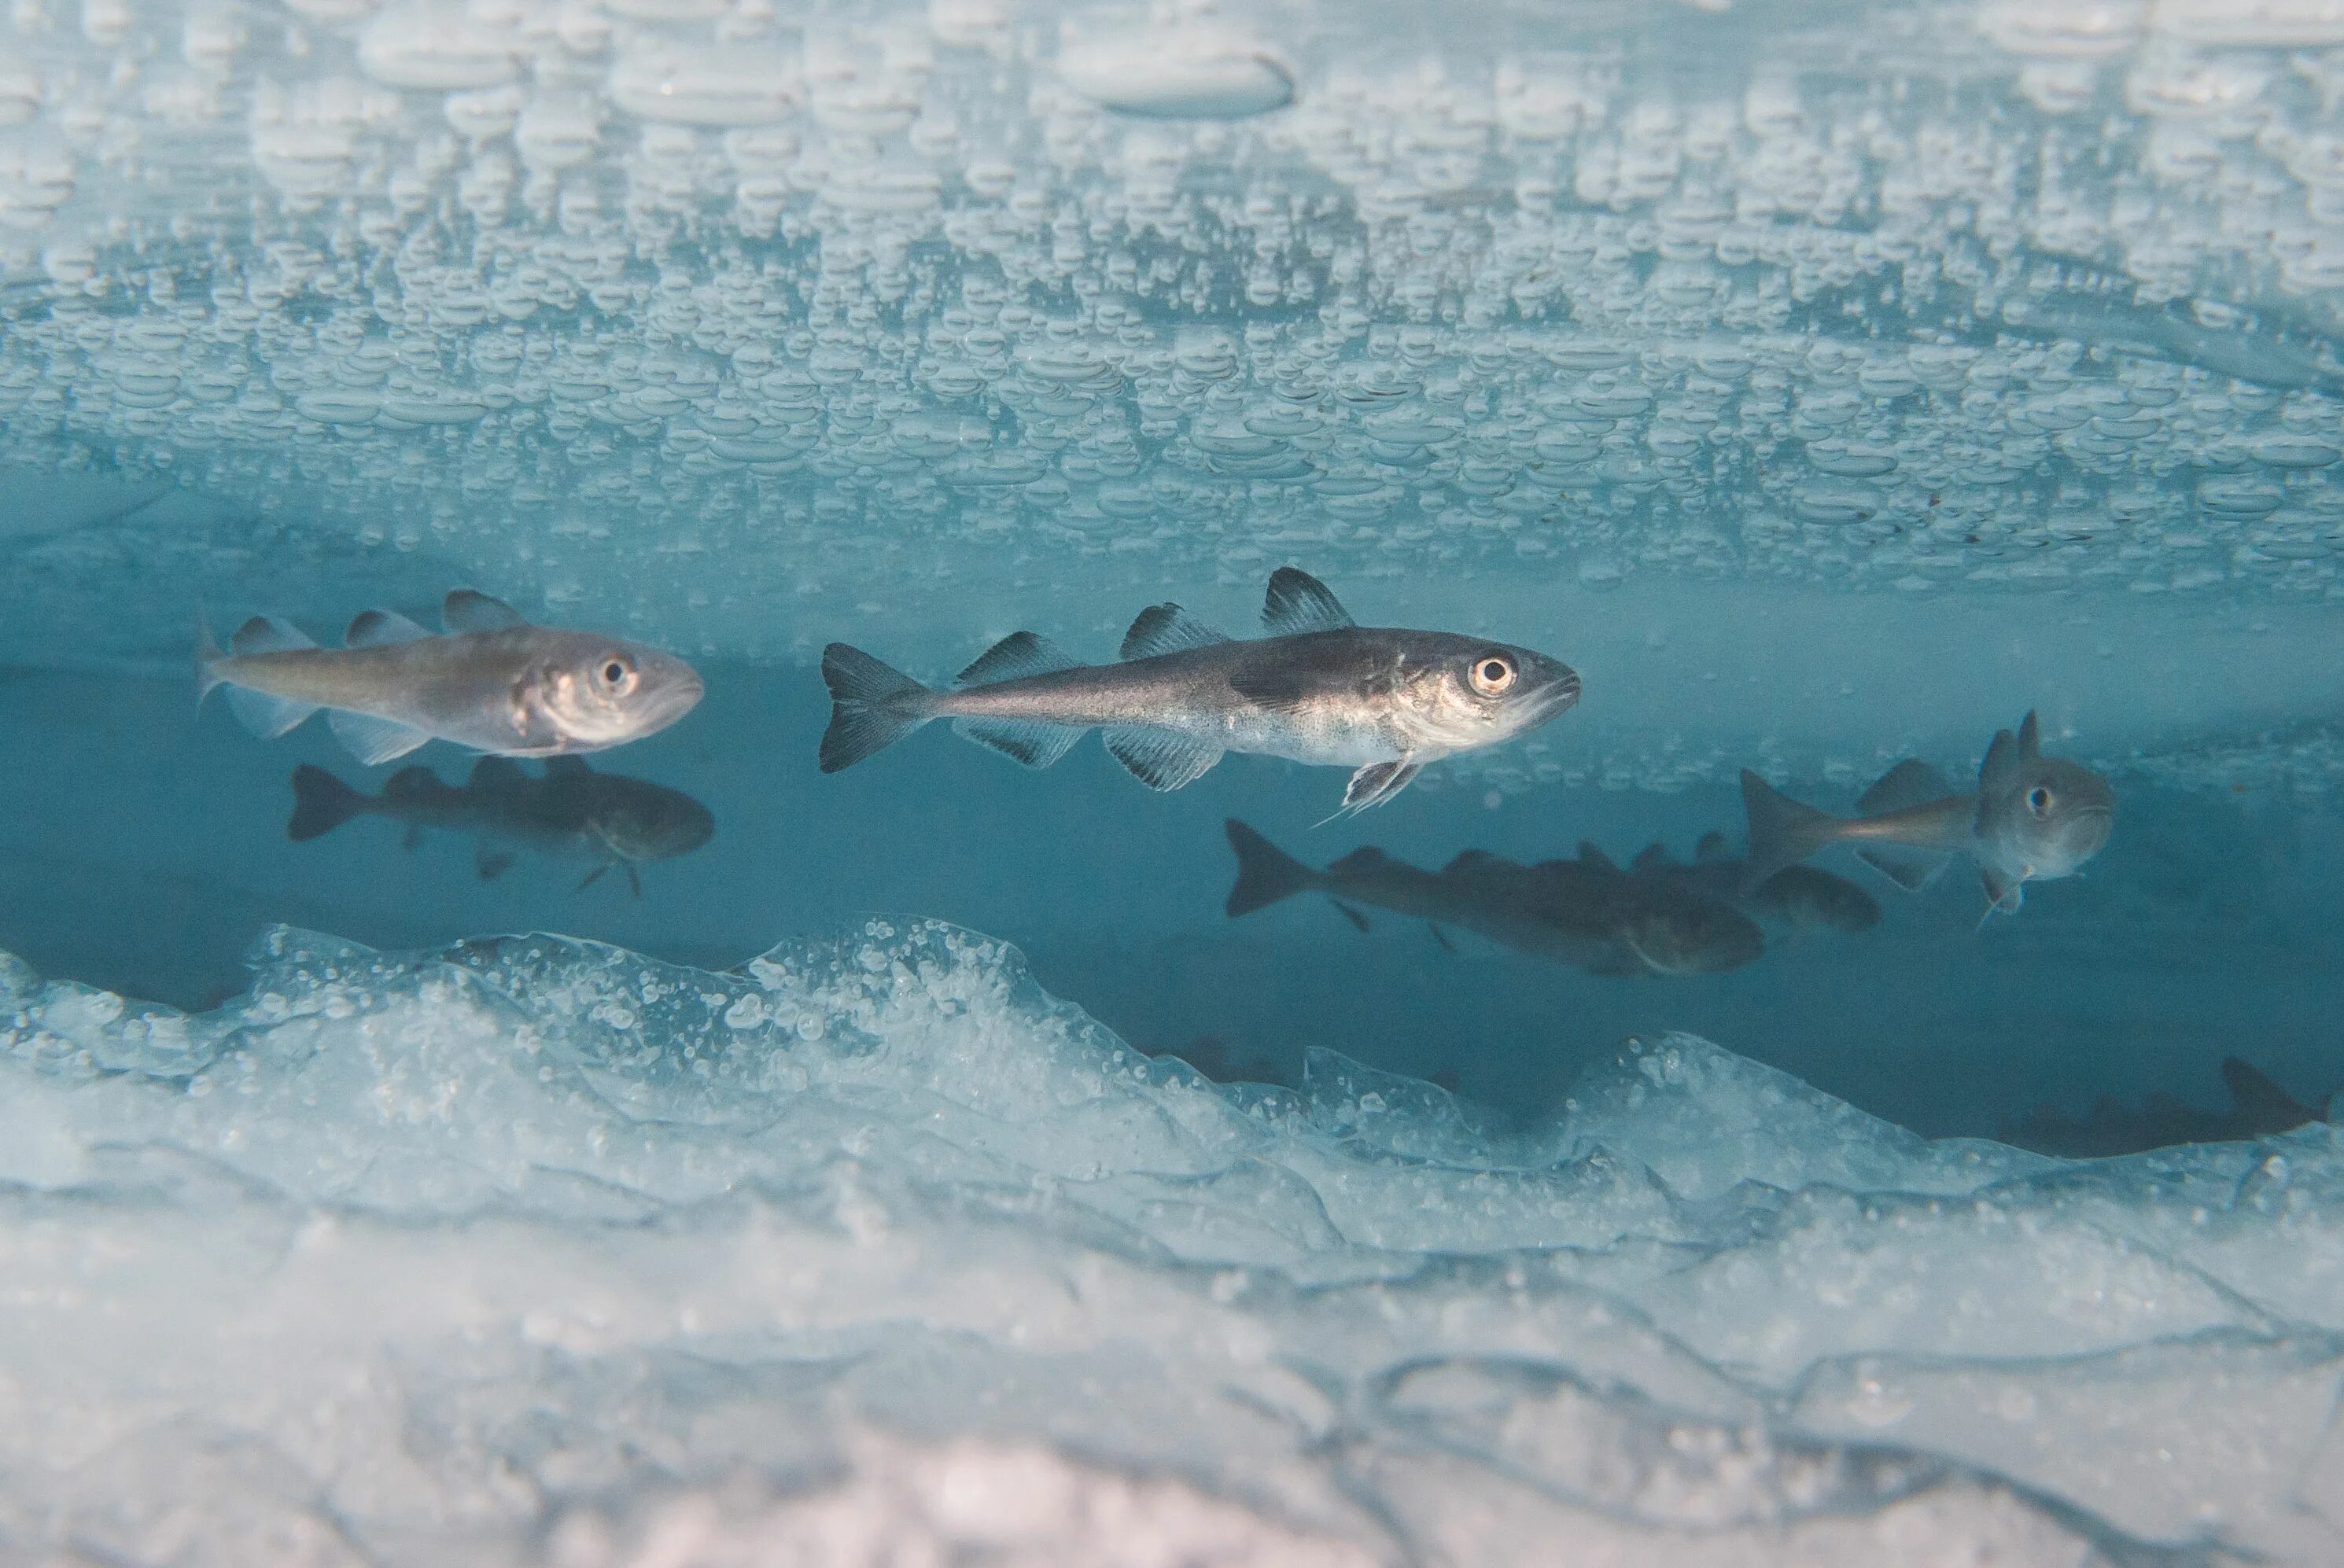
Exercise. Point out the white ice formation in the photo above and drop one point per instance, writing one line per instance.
(900, 302)
(530, 1250)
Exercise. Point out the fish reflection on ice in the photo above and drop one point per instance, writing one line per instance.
(489, 680)
(1585, 913)
(2032, 819)
(571, 813)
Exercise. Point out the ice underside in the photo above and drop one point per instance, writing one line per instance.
(1825, 382)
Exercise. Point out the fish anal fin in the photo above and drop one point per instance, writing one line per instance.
(1167, 628)
(1594, 858)
(380, 629)
(1911, 782)
(1015, 656)
(371, 740)
(1651, 858)
(266, 716)
(468, 609)
(1710, 848)
(1160, 759)
(1298, 602)
(1035, 744)
(1910, 869)
(497, 773)
(2257, 1100)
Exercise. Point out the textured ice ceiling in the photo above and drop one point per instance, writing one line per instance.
(707, 307)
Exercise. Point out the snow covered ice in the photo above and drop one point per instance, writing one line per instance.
(534, 1249)
(1827, 384)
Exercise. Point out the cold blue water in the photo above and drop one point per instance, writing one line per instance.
(714, 1138)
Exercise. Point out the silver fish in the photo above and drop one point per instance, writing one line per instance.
(2032, 819)
(1587, 913)
(492, 682)
(1316, 689)
(571, 812)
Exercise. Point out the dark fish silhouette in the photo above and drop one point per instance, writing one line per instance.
(1796, 898)
(2258, 1109)
(2032, 819)
(1318, 688)
(571, 812)
(1586, 913)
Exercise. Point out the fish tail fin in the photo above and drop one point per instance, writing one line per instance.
(321, 803)
(1266, 873)
(207, 657)
(1782, 831)
(873, 705)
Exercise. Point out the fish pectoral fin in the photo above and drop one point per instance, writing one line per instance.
(1351, 912)
(1160, 759)
(380, 629)
(1299, 602)
(265, 716)
(1910, 869)
(492, 863)
(1035, 744)
(2002, 892)
(468, 609)
(595, 875)
(1440, 936)
(1377, 783)
(1167, 628)
(371, 740)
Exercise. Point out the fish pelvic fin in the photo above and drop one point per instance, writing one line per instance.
(873, 705)
(1782, 831)
(1266, 873)
(321, 803)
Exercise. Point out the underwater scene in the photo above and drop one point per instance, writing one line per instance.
(1703, 925)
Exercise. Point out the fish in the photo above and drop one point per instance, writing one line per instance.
(2258, 1109)
(1316, 687)
(1796, 898)
(491, 681)
(571, 812)
(2031, 818)
(1586, 914)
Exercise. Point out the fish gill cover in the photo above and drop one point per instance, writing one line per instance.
(536, 1250)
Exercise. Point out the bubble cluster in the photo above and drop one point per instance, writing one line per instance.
(587, 296)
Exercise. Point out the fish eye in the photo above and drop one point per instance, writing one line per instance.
(618, 675)
(1492, 673)
(2038, 800)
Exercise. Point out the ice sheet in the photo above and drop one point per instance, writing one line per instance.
(531, 1249)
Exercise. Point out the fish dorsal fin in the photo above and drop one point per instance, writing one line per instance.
(2256, 1098)
(565, 767)
(1468, 861)
(411, 784)
(1015, 656)
(1650, 858)
(266, 634)
(468, 609)
(373, 740)
(1595, 859)
(1710, 849)
(498, 772)
(1299, 602)
(1999, 772)
(1360, 859)
(2030, 738)
(1911, 782)
(379, 628)
(1167, 628)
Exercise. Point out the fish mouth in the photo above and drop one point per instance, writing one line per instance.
(1555, 696)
